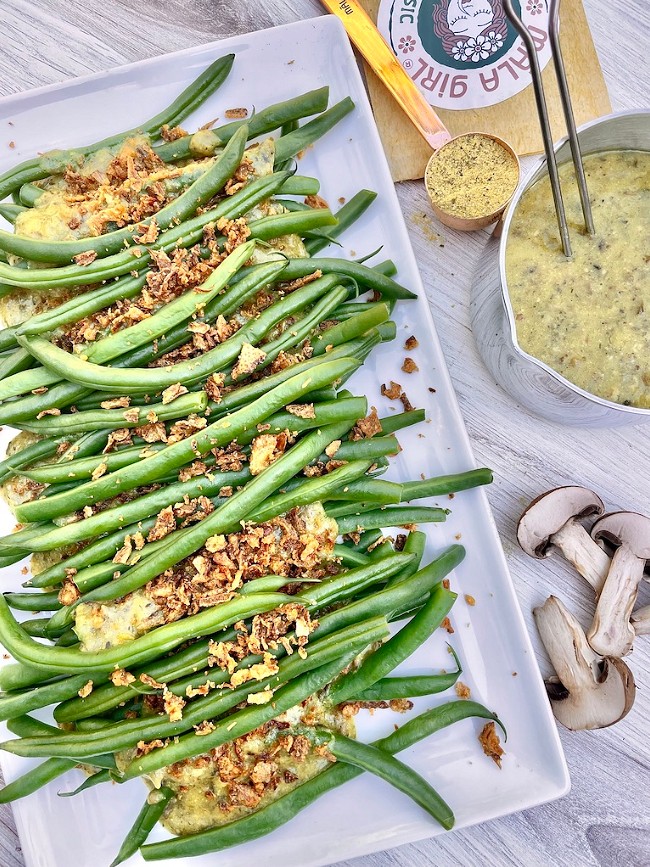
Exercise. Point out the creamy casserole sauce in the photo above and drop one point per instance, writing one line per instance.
(588, 318)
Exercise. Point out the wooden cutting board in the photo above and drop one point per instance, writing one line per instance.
(515, 119)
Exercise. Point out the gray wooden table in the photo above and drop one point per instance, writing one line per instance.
(606, 818)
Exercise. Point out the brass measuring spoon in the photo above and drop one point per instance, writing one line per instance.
(363, 33)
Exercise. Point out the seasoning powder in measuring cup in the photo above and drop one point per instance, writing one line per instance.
(472, 177)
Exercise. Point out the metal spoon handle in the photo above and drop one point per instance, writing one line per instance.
(542, 112)
(565, 97)
(363, 33)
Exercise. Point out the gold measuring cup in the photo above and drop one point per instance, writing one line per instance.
(380, 58)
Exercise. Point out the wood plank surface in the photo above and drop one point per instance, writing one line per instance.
(605, 820)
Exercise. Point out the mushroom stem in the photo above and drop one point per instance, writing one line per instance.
(611, 633)
(559, 630)
(640, 620)
(587, 557)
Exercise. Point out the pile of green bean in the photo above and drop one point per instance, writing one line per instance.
(60, 397)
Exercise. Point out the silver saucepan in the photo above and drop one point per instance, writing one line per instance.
(532, 383)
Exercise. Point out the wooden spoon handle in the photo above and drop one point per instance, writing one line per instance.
(381, 59)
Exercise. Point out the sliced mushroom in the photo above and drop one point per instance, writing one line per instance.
(589, 692)
(611, 633)
(552, 521)
(640, 620)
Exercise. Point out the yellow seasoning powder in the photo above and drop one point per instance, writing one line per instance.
(471, 176)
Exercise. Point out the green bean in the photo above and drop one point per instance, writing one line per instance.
(11, 212)
(256, 277)
(179, 209)
(366, 757)
(301, 328)
(29, 194)
(35, 779)
(368, 277)
(269, 583)
(446, 484)
(24, 381)
(187, 233)
(83, 304)
(106, 696)
(36, 627)
(366, 539)
(399, 595)
(95, 553)
(126, 733)
(324, 413)
(205, 142)
(342, 510)
(286, 128)
(16, 675)
(387, 332)
(415, 544)
(397, 649)
(8, 339)
(393, 423)
(349, 557)
(219, 433)
(148, 646)
(361, 449)
(346, 216)
(281, 810)
(21, 539)
(299, 185)
(371, 492)
(128, 286)
(56, 161)
(154, 806)
(86, 444)
(172, 550)
(349, 329)
(110, 419)
(103, 776)
(66, 690)
(222, 520)
(290, 145)
(179, 310)
(307, 491)
(33, 601)
(242, 395)
(17, 361)
(241, 722)
(353, 581)
(26, 727)
(391, 517)
(151, 503)
(389, 688)
(351, 308)
(29, 455)
(132, 380)
(80, 468)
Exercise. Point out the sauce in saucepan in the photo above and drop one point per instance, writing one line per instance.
(588, 317)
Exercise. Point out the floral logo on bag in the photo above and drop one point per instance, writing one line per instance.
(464, 53)
(406, 44)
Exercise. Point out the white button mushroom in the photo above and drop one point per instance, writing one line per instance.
(611, 633)
(590, 692)
(552, 521)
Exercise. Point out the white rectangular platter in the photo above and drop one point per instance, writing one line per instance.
(366, 815)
